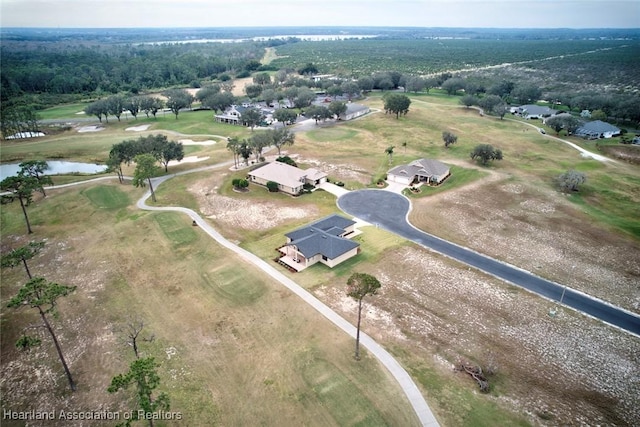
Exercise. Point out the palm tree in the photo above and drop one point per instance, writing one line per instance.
(389, 152)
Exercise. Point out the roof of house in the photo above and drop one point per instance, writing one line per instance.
(537, 110)
(285, 174)
(353, 108)
(422, 167)
(597, 126)
(323, 237)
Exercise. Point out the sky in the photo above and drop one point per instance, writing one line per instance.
(277, 13)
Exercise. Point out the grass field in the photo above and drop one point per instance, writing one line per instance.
(237, 349)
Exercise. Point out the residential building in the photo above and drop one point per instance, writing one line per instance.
(422, 170)
(597, 129)
(290, 179)
(535, 111)
(325, 241)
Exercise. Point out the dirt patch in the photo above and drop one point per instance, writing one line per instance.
(256, 215)
(565, 369)
(573, 369)
(538, 230)
(341, 172)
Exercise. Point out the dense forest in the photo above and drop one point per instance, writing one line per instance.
(588, 69)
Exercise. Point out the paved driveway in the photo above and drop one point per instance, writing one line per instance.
(389, 211)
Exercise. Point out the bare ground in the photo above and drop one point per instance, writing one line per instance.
(561, 370)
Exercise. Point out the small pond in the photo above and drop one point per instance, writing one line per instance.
(56, 167)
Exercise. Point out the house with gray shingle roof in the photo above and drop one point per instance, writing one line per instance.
(597, 129)
(325, 241)
(422, 170)
(535, 111)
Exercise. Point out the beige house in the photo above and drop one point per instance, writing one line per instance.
(325, 241)
(422, 170)
(290, 179)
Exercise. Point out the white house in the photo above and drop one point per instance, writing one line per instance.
(535, 111)
(422, 170)
(232, 115)
(290, 179)
(354, 111)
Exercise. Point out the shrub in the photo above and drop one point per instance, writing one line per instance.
(272, 186)
(570, 181)
(288, 160)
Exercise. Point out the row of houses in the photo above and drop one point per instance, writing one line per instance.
(594, 129)
(233, 114)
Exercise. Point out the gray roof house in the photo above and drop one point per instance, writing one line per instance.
(421, 170)
(597, 129)
(323, 241)
(535, 111)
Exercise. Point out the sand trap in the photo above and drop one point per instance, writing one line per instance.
(189, 159)
(80, 112)
(138, 128)
(90, 129)
(191, 142)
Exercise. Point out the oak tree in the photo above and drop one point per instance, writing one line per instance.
(396, 103)
(146, 169)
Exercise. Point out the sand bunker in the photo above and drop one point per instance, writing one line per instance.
(191, 142)
(190, 159)
(90, 129)
(138, 128)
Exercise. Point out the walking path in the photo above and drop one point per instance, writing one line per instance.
(409, 387)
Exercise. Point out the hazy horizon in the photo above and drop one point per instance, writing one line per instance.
(496, 14)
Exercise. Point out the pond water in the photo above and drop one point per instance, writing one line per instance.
(56, 167)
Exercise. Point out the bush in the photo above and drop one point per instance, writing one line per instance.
(272, 186)
(570, 181)
(288, 160)
(239, 183)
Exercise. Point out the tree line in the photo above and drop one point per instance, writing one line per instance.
(157, 146)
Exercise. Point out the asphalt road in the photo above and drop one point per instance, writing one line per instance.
(389, 211)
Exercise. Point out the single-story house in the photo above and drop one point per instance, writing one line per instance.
(535, 111)
(597, 129)
(290, 179)
(421, 170)
(322, 241)
(354, 111)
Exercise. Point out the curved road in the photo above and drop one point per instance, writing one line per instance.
(390, 211)
(410, 389)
